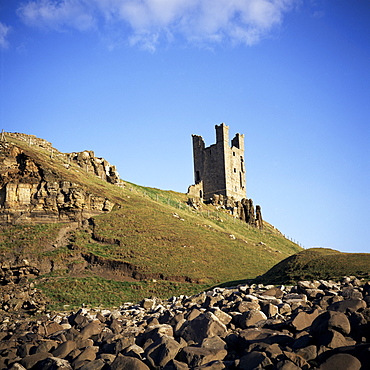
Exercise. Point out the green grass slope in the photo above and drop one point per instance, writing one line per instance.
(318, 263)
(173, 248)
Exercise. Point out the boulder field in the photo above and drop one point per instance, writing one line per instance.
(321, 325)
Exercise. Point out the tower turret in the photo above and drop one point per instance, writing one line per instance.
(219, 168)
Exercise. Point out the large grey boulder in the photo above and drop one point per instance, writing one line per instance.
(87, 355)
(249, 318)
(351, 305)
(30, 361)
(64, 349)
(198, 356)
(254, 360)
(330, 320)
(128, 363)
(308, 353)
(334, 339)
(92, 328)
(162, 351)
(203, 326)
(54, 363)
(303, 319)
(94, 365)
(341, 361)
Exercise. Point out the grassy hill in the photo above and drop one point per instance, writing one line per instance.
(316, 264)
(152, 243)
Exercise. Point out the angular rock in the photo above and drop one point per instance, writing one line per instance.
(351, 293)
(245, 306)
(304, 319)
(193, 314)
(222, 316)
(156, 331)
(295, 297)
(148, 304)
(250, 318)
(29, 361)
(334, 339)
(284, 309)
(254, 335)
(204, 325)
(94, 365)
(270, 309)
(297, 360)
(64, 349)
(271, 350)
(254, 360)
(24, 349)
(53, 327)
(314, 293)
(128, 363)
(179, 327)
(47, 346)
(308, 353)
(92, 328)
(89, 354)
(133, 351)
(275, 292)
(308, 284)
(351, 305)
(108, 358)
(198, 356)
(213, 343)
(162, 351)
(54, 363)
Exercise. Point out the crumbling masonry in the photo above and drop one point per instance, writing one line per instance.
(219, 174)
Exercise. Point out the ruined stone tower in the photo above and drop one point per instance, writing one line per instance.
(219, 168)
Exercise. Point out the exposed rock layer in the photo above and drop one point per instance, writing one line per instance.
(32, 193)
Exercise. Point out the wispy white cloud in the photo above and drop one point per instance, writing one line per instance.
(4, 30)
(147, 22)
(57, 15)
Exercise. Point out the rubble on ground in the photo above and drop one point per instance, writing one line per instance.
(313, 325)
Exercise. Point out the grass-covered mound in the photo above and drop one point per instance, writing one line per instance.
(318, 263)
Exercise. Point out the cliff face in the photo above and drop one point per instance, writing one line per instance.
(31, 192)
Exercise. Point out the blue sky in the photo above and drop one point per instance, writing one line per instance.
(133, 80)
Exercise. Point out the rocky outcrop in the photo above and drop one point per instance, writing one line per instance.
(243, 209)
(313, 325)
(32, 193)
(259, 220)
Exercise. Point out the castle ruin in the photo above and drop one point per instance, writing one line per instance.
(219, 169)
(219, 174)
